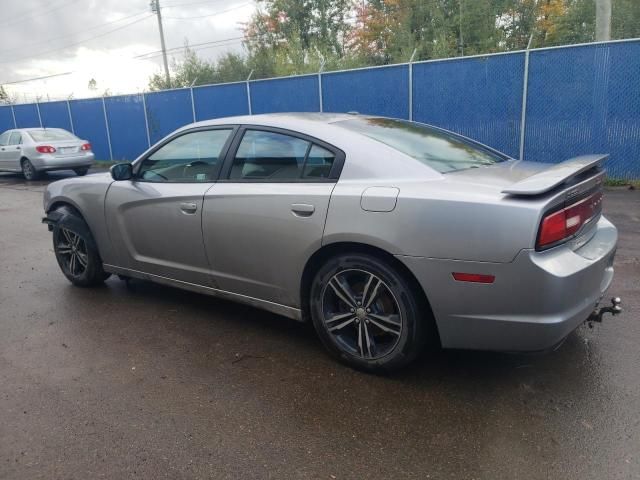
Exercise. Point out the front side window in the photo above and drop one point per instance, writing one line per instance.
(51, 135)
(440, 150)
(264, 155)
(192, 157)
(15, 139)
(4, 138)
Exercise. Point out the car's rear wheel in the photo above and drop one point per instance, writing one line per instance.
(81, 172)
(76, 253)
(28, 170)
(367, 313)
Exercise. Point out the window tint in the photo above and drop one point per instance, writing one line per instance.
(15, 139)
(192, 157)
(51, 135)
(4, 138)
(439, 150)
(319, 163)
(269, 155)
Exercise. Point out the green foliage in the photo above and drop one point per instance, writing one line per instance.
(287, 37)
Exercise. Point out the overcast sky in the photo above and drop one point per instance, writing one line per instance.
(48, 37)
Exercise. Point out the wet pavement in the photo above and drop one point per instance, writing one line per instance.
(152, 382)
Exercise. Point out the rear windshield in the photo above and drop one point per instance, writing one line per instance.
(50, 135)
(442, 151)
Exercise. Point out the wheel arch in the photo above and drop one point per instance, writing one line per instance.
(327, 251)
(68, 211)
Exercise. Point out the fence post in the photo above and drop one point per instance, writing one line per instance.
(320, 85)
(13, 115)
(38, 110)
(73, 130)
(411, 84)
(106, 124)
(249, 92)
(525, 85)
(146, 120)
(193, 105)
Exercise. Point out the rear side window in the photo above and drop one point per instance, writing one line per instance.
(15, 139)
(51, 135)
(438, 149)
(264, 155)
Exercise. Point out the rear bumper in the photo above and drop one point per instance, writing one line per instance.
(47, 162)
(535, 302)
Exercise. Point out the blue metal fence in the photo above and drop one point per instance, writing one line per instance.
(579, 99)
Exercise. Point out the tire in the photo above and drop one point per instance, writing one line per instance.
(367, 314)
(28, 170)
(81, 172)
(76, 251)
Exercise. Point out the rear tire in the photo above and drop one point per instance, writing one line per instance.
(81, 172)
(367, 314)
(28, 170)
(76, 252)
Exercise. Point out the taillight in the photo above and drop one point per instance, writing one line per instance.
(45, 149)
(563, 224)
(86, 147)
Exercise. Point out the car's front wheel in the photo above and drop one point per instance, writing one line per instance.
(76, 253)
(28, 170)
(367, 313)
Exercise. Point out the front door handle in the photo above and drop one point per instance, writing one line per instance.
(189, 208)
(302, 209)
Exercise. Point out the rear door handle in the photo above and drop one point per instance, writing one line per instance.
(302, 209)
(189, 208)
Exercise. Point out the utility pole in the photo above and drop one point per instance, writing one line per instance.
(155, 8)
(603, 20)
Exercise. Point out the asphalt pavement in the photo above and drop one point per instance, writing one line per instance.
(153, 382)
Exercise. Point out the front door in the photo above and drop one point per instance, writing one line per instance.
(155, 219)
(266, 215)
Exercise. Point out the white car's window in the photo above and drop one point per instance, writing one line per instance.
(51, 135)
(15, 139)
(4, 138)
(319, 163)
(440, 150)
(192, 157)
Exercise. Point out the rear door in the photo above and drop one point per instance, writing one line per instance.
(266, 215)
(14, 151)
(155, 219)
(4, 151)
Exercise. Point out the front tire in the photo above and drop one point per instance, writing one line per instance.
(367, 314)
(76, 253)
(28, 170)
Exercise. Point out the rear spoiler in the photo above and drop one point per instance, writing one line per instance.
(558, 174)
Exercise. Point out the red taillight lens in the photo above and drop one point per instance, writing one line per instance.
(45, 149)
(561, 225)
(86, 147)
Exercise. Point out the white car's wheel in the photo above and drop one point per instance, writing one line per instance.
(28, 170)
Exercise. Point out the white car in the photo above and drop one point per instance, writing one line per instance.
(35, 150)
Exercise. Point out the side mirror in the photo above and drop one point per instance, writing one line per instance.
(122, 171)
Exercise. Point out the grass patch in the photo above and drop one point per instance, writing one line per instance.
(617, 182)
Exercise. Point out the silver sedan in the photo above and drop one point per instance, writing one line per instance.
(389, 236)
(35, 150)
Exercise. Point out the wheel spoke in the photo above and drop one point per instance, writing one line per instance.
(67, 235)
(385, 326)
(342, 293)
(369, 340)
(342, 325)
(360, 343)
(64, 249)
(338, 317)
(374, 293)
(82, 258)
(72, 264)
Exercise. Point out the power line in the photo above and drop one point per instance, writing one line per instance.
(36, 14)
(22, 47)
(210, 14)
(22, 60)
(175, 5)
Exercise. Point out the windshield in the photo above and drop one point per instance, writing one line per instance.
(51, 135)
(442, 151)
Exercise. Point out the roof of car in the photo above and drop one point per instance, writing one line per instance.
(280, 118)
